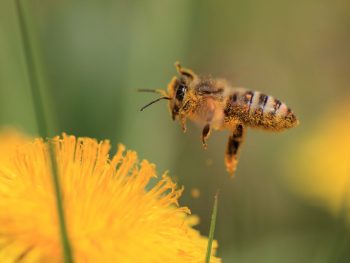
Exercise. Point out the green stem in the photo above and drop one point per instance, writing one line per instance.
(212, 228)
(43, 128)
(341, 241)
(32, 74)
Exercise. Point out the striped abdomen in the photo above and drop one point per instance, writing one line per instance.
(258, 110)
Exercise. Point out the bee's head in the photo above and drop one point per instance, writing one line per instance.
(177, 90)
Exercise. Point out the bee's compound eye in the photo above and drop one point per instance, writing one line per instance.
(180, 92)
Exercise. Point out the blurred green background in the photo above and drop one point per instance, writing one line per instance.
(93, 56)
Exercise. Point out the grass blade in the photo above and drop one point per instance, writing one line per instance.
(43, 126)
(212, 228)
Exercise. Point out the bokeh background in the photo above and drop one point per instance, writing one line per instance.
(290, 199)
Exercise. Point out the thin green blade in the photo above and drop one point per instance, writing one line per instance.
(43, 127)
(212, 228)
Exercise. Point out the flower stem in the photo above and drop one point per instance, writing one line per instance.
(212, 228)
(43, 127)
(341, 241)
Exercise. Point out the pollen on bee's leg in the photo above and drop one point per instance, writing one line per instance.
(183, 123)
(232, 150)
(231, 164)
(231, 156)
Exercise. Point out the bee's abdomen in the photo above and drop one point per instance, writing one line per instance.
(259, 110)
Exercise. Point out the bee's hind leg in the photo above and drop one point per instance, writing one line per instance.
(205, 134)
(233, 147)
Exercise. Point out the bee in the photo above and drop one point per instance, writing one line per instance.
(215, 104)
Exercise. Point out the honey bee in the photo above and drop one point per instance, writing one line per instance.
(216, 105)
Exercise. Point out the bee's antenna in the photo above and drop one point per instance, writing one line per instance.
(148, 90)
(159, 91)
(149, 104)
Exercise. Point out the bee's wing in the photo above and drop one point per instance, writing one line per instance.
(211, 86)
(209, 90)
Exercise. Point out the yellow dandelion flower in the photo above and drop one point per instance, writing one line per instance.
(110, 214)
(322, 162)
(10, 139)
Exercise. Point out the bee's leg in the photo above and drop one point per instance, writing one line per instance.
(232, 150)
(183, 122)
(183, 112)
(205, 135)
(184, 71)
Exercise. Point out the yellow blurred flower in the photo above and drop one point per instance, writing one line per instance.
(322, 162)
(10, 139)
(110, 215)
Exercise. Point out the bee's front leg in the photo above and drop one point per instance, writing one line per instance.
(232, 150)
(183, 113)
(205, 134)
(183, 122)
